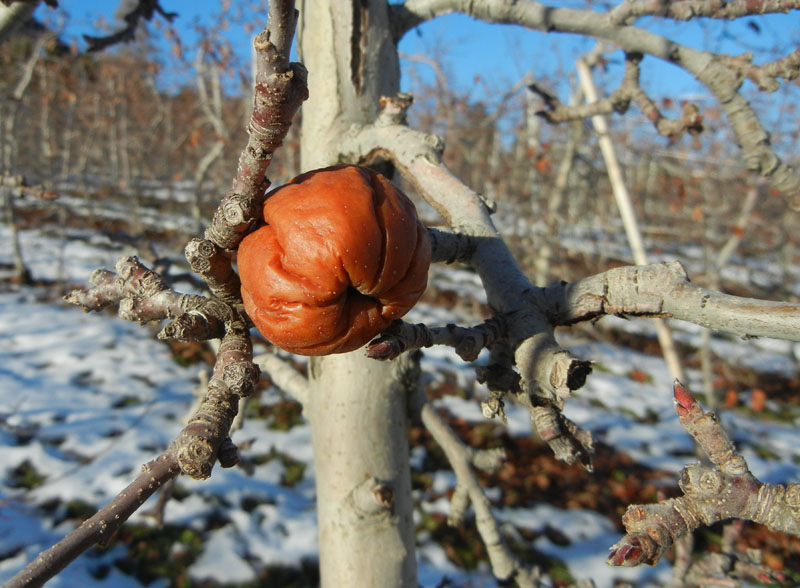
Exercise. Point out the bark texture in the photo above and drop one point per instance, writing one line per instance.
(358, 411)
(356, 406)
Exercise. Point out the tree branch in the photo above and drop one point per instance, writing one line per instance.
(710, 494)
(505, 565)
(210, 262)
(567, 440)
(280, 89)
(619, 100)
(449, 247)
(105, 522)
(714, 71)
(144, 9)
(101, 526)
(664, 290)
(284, 376)
(144, 296)
(467, 342)
(766, 76)
(688, 9)
(547, 370)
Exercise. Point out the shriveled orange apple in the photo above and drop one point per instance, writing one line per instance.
(341, 256)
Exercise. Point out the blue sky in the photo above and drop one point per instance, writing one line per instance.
(498, 54)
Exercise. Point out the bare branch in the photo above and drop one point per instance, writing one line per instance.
(193, 452)
(102, 525)
(688, 9)
(714, 71)
(500, 378)
(467, 342)
(209, 261)
(664, 290)
(625, 205)
(280, 89)
(766, 76)
(143, 295)
(711, 494)
(568, 442)
(282, 19)
(619, 100)
(449, 247)
(547, 370)
(284, 376)
(202, 441)
(505, 565)
(144, 9)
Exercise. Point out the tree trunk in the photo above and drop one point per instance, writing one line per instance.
(358, 416)
(21, 274)
(358, 407)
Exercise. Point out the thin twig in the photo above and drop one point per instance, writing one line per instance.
(505, 565)
(102, 525)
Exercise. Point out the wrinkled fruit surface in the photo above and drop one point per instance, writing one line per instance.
(341, 256)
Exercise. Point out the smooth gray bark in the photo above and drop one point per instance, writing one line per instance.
(356, 406)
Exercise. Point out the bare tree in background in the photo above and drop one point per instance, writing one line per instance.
(209, 91)
(9, 149)
(359, 407)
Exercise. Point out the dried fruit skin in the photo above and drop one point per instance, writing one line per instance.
(342, 255)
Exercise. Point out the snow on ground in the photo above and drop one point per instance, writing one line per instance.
(86, 399)
(153, 205)
(589, 534)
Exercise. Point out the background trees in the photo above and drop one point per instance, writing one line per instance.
(549, 186)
